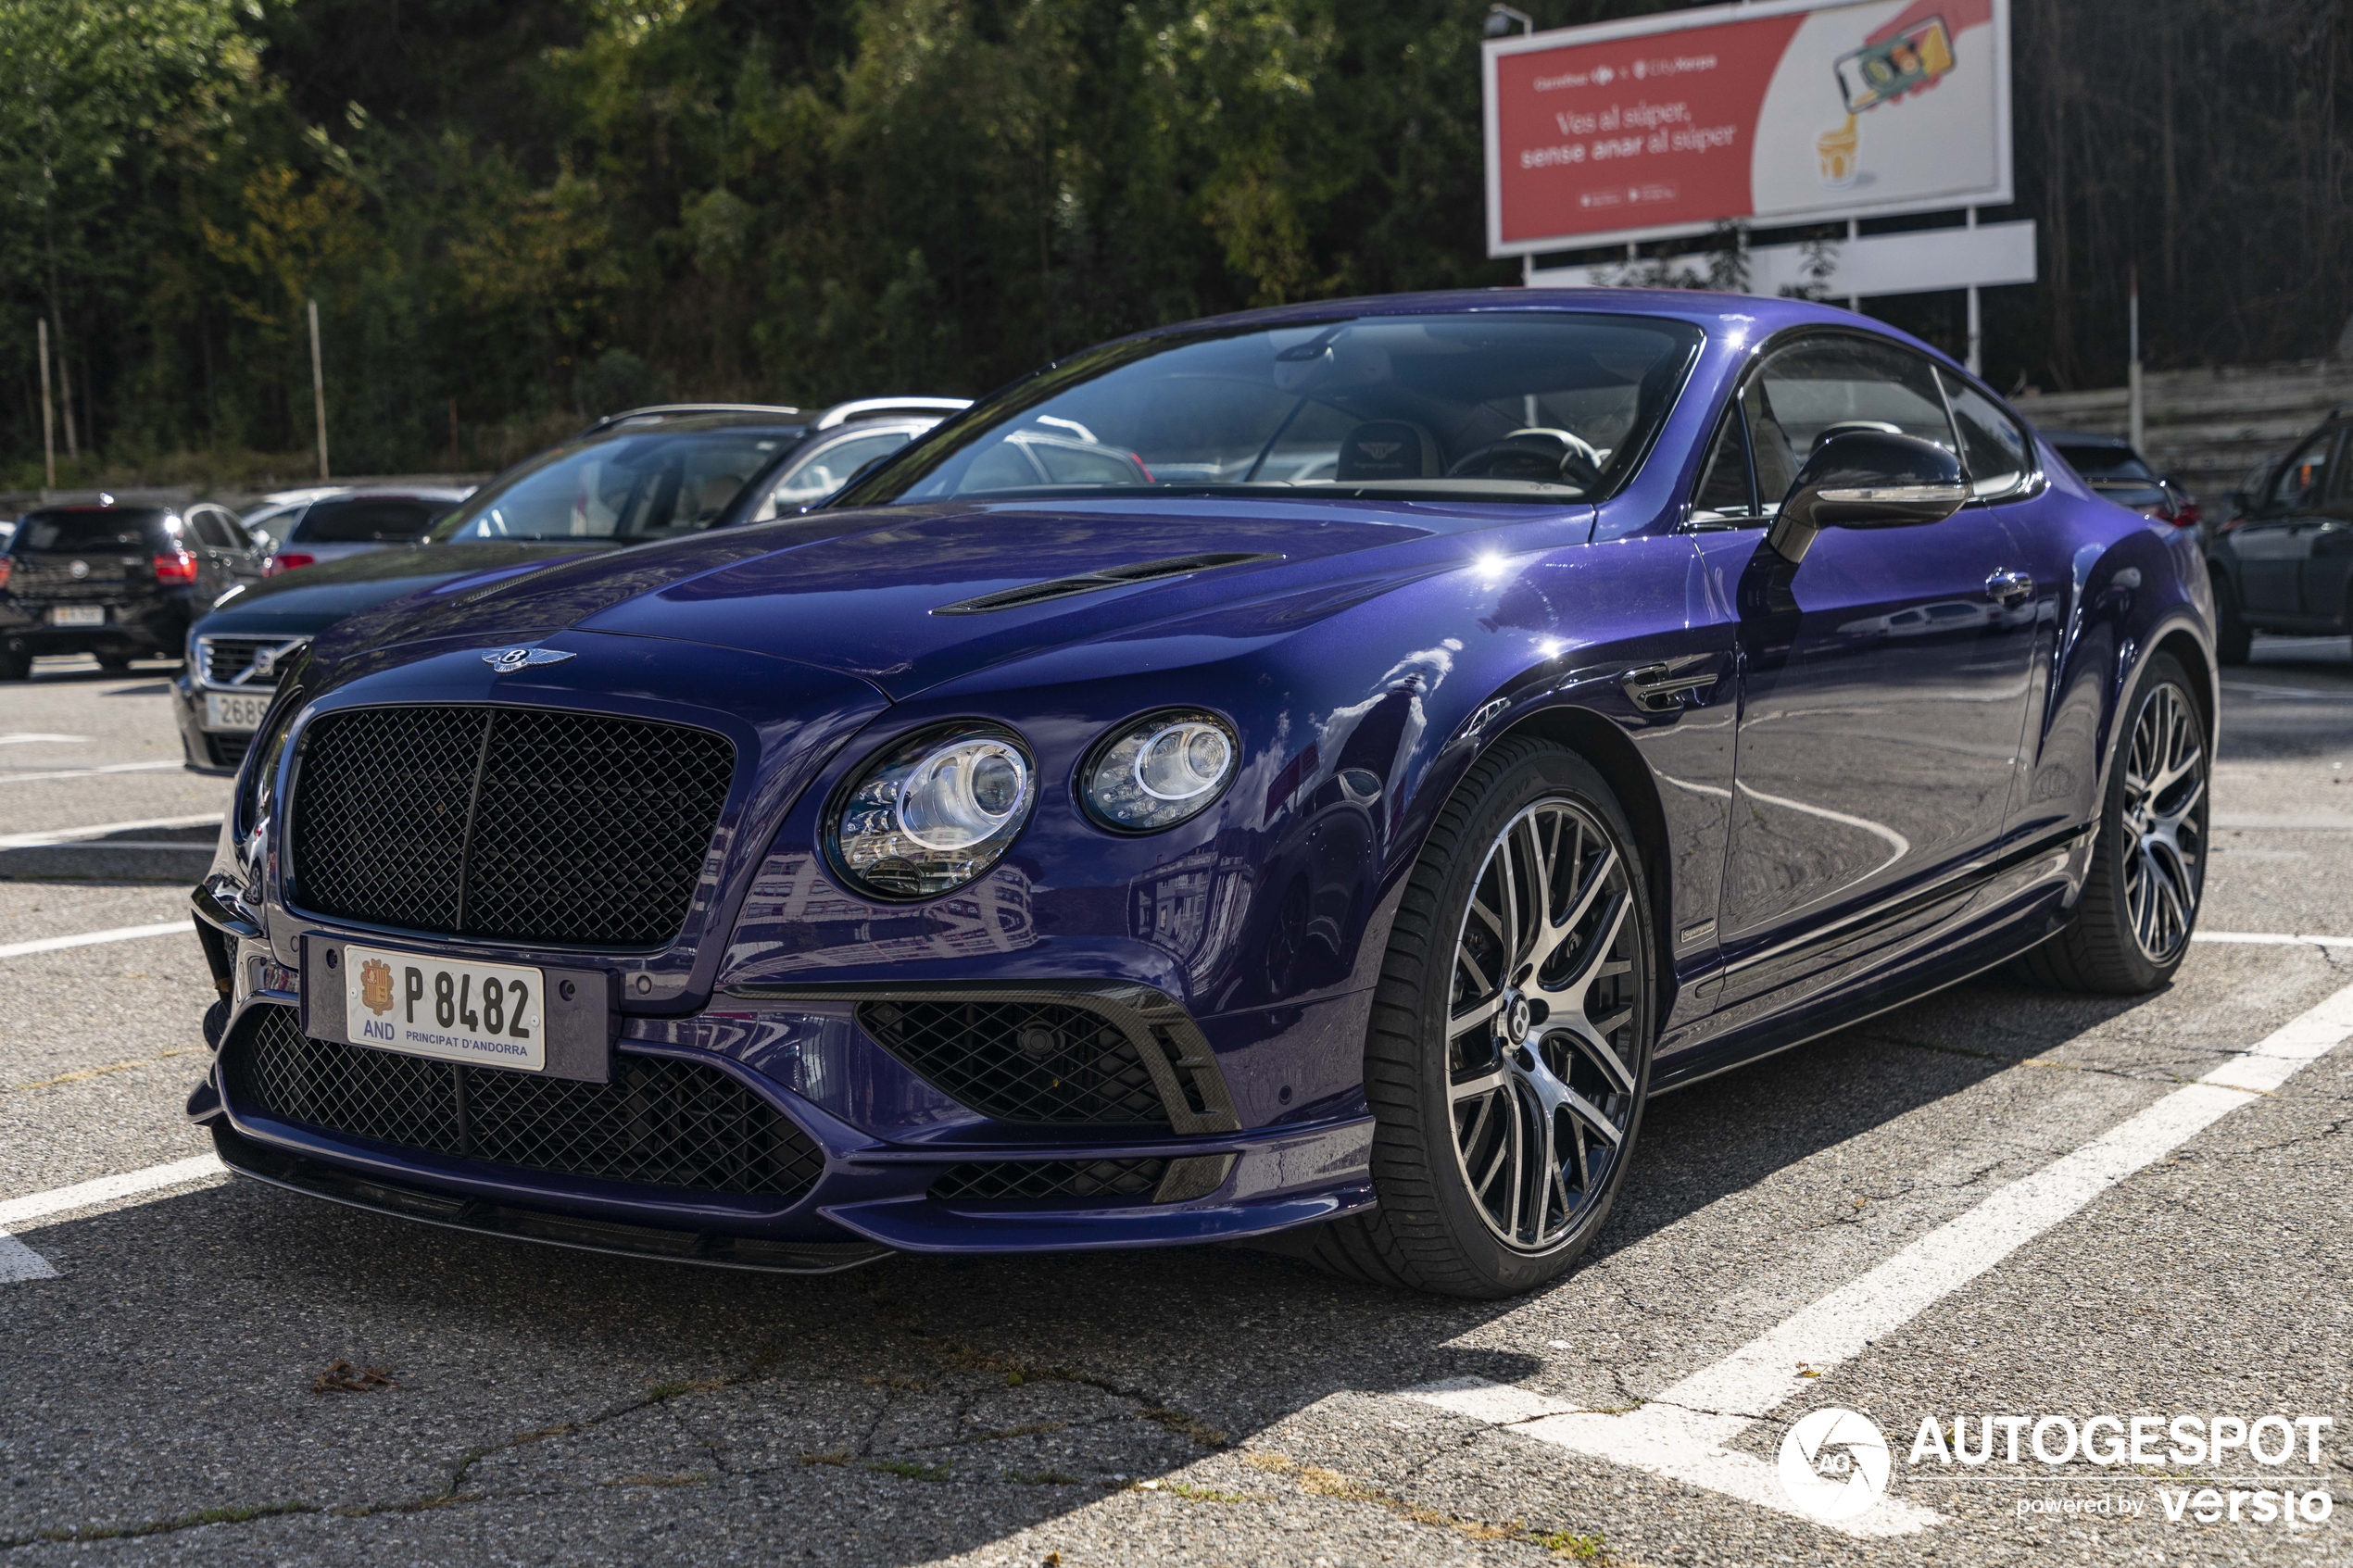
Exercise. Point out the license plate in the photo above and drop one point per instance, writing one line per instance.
(487, 1014)
(234, 710)
(78, 615)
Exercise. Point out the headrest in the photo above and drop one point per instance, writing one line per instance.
(1380, 449)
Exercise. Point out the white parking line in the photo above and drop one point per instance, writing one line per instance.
(48, 836)
(2272, 939)
(1684, 1433)
(93, 938)
(18, 1261)
(23, 737)
(87, 773)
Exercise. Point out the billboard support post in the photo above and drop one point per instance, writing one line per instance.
(2132, 368)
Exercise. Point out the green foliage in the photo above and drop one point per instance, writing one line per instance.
(517, 213)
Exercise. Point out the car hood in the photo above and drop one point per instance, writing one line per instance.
(861, 592)
(312, 597)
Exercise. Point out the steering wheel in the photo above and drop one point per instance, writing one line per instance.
(1539, 456)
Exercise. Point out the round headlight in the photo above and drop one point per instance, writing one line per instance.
(935, 812)
(1160, 771)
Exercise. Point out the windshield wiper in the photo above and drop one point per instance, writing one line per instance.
(1096, 582)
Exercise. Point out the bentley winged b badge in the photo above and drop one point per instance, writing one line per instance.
(505, 661)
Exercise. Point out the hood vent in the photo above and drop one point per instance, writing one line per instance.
(1096, 582)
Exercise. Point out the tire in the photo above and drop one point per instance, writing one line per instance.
(2140, 900)
(2232, 640)
(14, 666)
(114, 663)
(1439, 1227)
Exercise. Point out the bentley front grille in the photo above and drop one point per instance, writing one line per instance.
(506, 824)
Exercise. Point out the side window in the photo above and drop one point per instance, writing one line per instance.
(1992, 449)
(1723, 483)
(819, 475)
(1822, 386)
(209, 529)
(2303, 479)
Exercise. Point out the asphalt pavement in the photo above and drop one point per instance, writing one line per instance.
(2000, 1202)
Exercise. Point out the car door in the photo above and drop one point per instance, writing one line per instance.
(1883, 691)
(2271, 549)
(2326, 576)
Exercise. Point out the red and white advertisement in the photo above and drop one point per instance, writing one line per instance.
(1789, 111)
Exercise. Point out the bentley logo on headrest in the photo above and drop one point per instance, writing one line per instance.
(505, 661)
(1378, 450)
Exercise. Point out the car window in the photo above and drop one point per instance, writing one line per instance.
(364, 520)
(2303, 477)
(209, 528)
(649, 485)
(96, 530)
(2098, 465)
(1723, 483)
(1994, 448)
(812, 479)
(1819, 387)
(1542, 406)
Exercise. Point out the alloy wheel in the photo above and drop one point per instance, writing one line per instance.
(1545, 1024)
(2164, 786)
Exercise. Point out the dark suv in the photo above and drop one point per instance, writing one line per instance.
(2285, 562)
(123, 583)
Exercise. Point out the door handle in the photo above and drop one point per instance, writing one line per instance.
(2009, 588)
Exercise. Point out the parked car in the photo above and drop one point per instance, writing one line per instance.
(2110, 465)
(358, 521)
(2285, 562)
(267, 519)
(1312, 812)
(121, 582)
(651, 473)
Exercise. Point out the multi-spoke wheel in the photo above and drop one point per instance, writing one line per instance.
(1541, 1022)
(1511, 1038)
(2141, 896)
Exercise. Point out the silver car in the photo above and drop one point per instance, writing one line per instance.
(355, 521)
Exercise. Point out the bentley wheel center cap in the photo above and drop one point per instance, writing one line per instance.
(1516, 1019)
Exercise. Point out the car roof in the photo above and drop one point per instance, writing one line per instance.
(2084, 438)
(398, 493)
(700, 416)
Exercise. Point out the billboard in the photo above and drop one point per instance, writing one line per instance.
(1789, 111)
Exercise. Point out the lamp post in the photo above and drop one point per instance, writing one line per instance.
(1502, 18)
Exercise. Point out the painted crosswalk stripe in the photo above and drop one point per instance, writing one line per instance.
(1685, 1431)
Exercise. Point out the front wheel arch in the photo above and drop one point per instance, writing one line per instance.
(1602, 745)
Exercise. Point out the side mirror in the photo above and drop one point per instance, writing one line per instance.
(1868, 479)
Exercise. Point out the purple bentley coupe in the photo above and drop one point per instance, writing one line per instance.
(1311, 771)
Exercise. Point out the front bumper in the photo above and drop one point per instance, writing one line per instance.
(941, 1178)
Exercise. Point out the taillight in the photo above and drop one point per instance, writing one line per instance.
(286, 562)
(2189, 514)
(177, 566)
(3, 571)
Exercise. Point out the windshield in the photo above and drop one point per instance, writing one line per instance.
(115, 528)
(651, 485)
(2107, 465)
(1516, 405)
